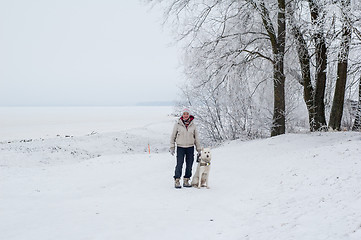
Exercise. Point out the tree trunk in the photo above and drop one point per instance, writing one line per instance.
(357, 123)
(321, 65)
(279, 120)
(339, 95)
(278, 49)
(304, 60)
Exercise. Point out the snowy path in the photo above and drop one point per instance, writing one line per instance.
(303, 186)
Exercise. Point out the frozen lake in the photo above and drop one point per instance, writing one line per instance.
(48, 122)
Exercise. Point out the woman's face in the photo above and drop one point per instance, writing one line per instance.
(185, 116)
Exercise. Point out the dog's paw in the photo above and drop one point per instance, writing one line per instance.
(199, 187)
(208, 187)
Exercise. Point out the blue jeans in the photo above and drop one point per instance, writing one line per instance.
(188, 153)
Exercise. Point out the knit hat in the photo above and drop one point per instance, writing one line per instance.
(186, 110)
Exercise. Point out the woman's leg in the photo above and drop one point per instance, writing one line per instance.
(180, 159)
(189, 161)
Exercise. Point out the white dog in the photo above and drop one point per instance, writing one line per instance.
(200, 178)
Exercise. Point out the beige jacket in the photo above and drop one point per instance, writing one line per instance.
(184, 137)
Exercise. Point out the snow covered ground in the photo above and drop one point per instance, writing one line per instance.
(100, 182)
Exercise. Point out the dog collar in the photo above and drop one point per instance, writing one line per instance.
(205, 164)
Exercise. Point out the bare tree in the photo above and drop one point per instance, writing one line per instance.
(339, 95)
(278, 42)
(318, 20)
(313, 94)
(329, 34)
(304, 58)
(357, 124)
(227, 34)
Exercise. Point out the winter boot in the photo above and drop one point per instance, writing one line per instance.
(177, 183)
(186, 182)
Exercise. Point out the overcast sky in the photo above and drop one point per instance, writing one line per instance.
(85, 52)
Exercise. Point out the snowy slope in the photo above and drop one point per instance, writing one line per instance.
(304, 186)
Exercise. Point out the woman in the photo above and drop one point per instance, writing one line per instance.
(185, 136)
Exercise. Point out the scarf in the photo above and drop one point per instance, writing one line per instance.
(188, 121)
